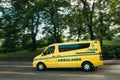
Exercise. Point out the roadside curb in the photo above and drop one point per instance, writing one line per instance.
(111, 62)
(15, 62)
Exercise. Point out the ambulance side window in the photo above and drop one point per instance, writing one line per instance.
(49, 50)
(70, 47)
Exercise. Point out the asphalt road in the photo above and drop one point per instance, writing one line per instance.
(24, 71)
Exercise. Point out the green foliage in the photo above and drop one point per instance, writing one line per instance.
(111, 42)
(111, 52)
(76, 22)
(24, 55)
(1, 33)
(45, 41)
(42, 43)
(1, 42)
(11, 32)
(20, 22)
(26, 42)
(55, 18)
(23, 17)
(111, 49)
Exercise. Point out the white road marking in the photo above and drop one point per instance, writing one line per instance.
(23, 73)
(14, 66)
(78, 75)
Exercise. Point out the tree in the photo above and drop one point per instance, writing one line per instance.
(88, 11)
(11, 30)
(21, 20)
(31, 11)
(100, 27)
(1, 19)
(23, 17)
(105, 19)
(76, 21)
(114, 15)
(55, 20)
(10, 25)
(34, 18)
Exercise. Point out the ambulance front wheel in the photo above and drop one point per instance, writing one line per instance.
(41, 67)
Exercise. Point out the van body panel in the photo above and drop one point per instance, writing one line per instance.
(70, 55)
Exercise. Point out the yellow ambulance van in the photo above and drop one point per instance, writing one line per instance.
(84, 54)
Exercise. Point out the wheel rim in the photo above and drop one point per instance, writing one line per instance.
(40, 66)
(87, 67)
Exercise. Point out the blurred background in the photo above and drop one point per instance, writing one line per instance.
(28, 26)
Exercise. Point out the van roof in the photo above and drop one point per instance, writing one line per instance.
(72, 42)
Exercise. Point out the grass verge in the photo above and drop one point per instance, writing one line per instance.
(25, 55)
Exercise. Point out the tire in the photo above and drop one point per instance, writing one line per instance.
(41, 67)
(87, 67)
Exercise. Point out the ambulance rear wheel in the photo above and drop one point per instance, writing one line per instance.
(41, 67)
(87, 66)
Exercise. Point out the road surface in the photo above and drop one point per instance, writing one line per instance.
(24, 71)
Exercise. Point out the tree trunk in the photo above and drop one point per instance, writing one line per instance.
(33, 36)
(54, 27)
(91, 32)
(100, 26)
(78, 38)
(33, 42)
(88, 16)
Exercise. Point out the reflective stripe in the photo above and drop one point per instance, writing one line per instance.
(77, 54)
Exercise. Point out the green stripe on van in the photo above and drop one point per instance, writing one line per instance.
(77, 54)
(81, 54)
